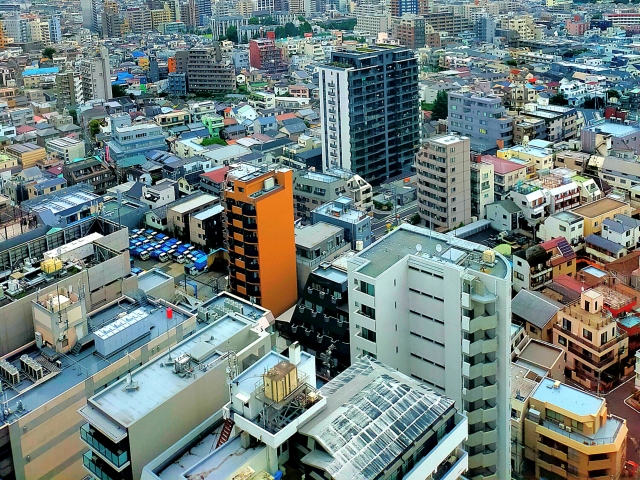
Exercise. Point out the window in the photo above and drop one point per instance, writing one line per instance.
(483, 130)
(368, 334)
(519, 276)
(587, 334)
(562, 340)
(603, 338)
(562, 228)
(566, 324)
(367, 288)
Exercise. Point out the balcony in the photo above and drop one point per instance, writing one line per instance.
(596, 363)
(484, 322)
(483, 437)
(489, 414)
(483, 369)
(488, 458)
(118, 458)
(479, 346)
(98, 468)
(482, 392)
(620, 335)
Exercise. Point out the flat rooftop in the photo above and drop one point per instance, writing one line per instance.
(247, 381)
(157, 382)
(152, 278)
(421, 242)
(312, 235)
(523, 382)
(111, 209)
(194, 203)
(542, 354)
(599, 207)
(568, 217)
(616, 129)
(76, 369)
(568, 398)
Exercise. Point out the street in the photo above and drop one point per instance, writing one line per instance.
(379, 227)
(616, 405)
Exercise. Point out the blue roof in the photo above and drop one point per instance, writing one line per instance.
(266, 120)
(40, 71)
(569, 398)
(138, 54)
(603, 243)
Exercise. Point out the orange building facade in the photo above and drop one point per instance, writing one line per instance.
(260, 238)
(171, 64)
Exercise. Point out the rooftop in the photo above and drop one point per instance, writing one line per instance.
(599, 207)
(615, 129)
(370, 405)
(194, 203)
(152, 278)
(159, 383)
(568, 398)
(523, 382)
(311, 235)
(568, 217)
(77, 369)
(421, 242)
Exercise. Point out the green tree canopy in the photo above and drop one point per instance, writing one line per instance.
(232, 34)
(558, 99)
(440, 106)
(94, 127)
(118, 91)
(254, 21)
(48, 52)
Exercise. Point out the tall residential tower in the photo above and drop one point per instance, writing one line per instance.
(441, 307)
(370, 118)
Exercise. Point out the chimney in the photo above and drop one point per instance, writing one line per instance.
(294, 353)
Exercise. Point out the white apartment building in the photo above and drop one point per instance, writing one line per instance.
(563, 224)
(96, 76)
(441, 307)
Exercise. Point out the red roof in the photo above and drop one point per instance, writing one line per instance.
(230, 121)
(500, 165)
(285, 116)
(25, 129)
(563, 247)
(217, 175)
(569, 282)
(57, 170)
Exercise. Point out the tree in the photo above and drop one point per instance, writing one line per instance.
(94, 128)
(48, 52)
(415, 219)
(305, 28)
(558, 99)
(213, 141)
(513, 63)
(254, 21)
(232, 34)
(613, 94)
(245, 38)
(118, 91)
(290, 30)
(426, 106)
(280, 32)
(440, 106)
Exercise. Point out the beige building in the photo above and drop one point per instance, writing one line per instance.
(591, 339)
(128, 422)
(597, 212)
(66, 148)
(178, 215)
(138, 20)
(569, 433)
(524, 26)
(444, 181)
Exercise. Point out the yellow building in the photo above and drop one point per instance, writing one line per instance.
(590, 337)
(570, 434)
(27, 154)
(597, 212)
(534, 157)
(164, 15)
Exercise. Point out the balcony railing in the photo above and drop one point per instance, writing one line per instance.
(118, 459)
(94, 465)
(620, 335)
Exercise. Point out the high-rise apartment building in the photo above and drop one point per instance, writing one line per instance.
(441, 307)
(265, 55)
(205, 71)
(370, 118)
(482, 118)
(96, 76)
(397, 8)
(111, 20)
(139, 20)
(259, 236)
(68, 90)
(91, 14)
(482, 187)
(409, 30)
(443, 167)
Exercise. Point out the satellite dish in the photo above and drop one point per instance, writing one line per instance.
(418, 247)
(439, 248)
